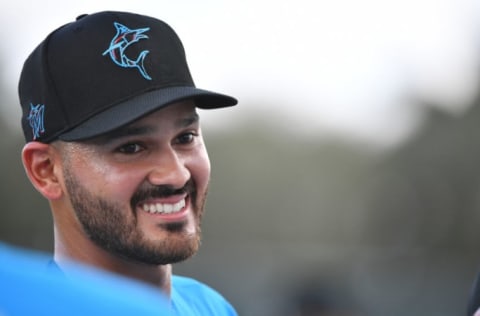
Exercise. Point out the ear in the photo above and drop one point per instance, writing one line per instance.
(41, 163)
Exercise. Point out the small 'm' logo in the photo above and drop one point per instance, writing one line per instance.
(35, 119)
(124, 38)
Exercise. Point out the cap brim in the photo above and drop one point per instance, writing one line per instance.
(137, 107)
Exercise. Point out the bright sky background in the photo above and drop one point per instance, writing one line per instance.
(349, 67)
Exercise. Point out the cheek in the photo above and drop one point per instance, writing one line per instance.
(105, 180)
(200, 169)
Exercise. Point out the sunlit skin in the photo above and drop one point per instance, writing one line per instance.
(119, 173)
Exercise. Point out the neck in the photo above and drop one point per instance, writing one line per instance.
(87, 253)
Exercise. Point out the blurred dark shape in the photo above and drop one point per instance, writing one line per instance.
(320, 299)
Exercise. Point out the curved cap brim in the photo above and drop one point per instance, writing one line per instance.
(133, 109)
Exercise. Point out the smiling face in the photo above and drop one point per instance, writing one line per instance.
(139, 192)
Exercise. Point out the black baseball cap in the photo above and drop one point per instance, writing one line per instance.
(102, 72)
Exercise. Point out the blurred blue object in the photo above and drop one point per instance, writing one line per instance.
(28, 288)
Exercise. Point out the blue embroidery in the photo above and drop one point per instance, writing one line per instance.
(35, 118)
(124, 38)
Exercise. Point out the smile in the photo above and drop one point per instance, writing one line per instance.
(163, 208)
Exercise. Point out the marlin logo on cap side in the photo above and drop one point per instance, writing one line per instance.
(124, 38)
(35, 119)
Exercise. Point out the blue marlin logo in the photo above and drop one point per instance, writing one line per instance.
(35, 119)
(124, 38)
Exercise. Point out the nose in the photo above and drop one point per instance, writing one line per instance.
(169, 169)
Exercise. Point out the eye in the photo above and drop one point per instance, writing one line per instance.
(186, 138)
(130, 148)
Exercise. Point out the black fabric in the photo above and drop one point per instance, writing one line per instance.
(474, 300)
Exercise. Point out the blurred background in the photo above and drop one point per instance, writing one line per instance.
(346, 182)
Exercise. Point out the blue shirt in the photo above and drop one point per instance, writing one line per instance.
(27, 289)
(190, 297)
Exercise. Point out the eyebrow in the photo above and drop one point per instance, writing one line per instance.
(187, 121)
(138, 130)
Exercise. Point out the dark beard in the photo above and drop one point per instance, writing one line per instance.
(107, 225)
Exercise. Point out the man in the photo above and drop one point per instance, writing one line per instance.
(114, 144)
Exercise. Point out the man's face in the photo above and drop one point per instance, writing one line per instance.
(139, 192)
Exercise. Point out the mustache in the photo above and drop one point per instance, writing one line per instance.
(161, 191)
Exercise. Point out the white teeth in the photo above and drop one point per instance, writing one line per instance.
(168, 208)
(164, 208)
